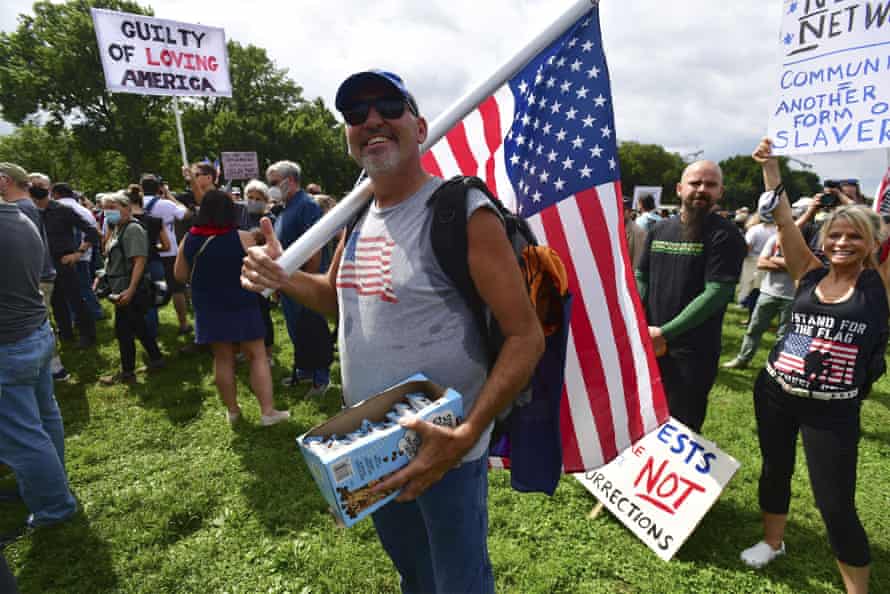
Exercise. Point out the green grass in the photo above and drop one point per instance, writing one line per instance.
(176, 501)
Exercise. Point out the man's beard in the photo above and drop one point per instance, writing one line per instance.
(695, 221)
(380, 163)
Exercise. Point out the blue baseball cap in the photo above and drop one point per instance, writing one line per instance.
(353, 85)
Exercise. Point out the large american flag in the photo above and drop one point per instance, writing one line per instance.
(834, 364)
(545, 144)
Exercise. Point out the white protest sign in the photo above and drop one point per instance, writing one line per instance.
(834, 80)
(654, 191)
(152, 56)
(663, 485)
(240, 165)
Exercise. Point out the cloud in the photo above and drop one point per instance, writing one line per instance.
(692, 75)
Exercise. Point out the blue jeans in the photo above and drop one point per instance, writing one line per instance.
(85, 276)
(438, 542)
(32, 439)
(312, 340)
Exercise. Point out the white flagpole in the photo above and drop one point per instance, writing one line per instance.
(316, 236)
(185, 161)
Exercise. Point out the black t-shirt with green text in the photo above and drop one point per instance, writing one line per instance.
(678, 269)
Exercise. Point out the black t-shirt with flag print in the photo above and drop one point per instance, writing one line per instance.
(834, 347)
(678, 269)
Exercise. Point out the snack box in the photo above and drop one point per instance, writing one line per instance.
(348, 468)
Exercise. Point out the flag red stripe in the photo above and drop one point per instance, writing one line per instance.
(460, 147)
(429, 163)
(591, 208)
(658, 399)
(585, 343)
(491, 122)
(571, 451)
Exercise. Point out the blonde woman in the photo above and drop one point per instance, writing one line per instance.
(817, 376)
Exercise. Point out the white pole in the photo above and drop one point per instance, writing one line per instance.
(312, 240)
(185, 161)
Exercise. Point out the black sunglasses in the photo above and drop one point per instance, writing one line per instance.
(390, 108)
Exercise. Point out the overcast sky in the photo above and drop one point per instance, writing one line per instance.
(691, 75)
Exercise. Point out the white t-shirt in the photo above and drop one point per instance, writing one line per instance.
(756, 237)
(168, 212)
(776, 283)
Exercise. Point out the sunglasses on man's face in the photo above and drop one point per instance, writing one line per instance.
(390, 108)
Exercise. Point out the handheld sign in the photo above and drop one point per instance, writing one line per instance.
(663, 485)
(241, 165)
(150, 56)
(654, 191)
(834, 80)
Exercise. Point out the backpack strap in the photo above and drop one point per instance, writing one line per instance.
(448, 234)
(195, 259)
(358, 216)
(151, 204)
(120, 244)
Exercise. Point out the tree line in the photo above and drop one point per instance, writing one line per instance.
(70, 127)
(652, 165)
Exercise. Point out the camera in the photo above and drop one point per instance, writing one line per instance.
(103, 286)
(828, 200)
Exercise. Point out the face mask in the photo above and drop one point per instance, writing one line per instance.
(256, 206)
(275, 194)
(38, 193)
(112, 217)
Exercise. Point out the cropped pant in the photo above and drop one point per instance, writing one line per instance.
(830, 431)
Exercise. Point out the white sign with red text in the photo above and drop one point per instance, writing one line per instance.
(663, 485)
(150, 56)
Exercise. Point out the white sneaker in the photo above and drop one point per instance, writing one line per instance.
(276, 417)
(736, 363)
(761, 554)
(233, 417)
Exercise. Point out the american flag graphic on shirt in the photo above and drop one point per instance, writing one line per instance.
(817, 359)
(367, 266)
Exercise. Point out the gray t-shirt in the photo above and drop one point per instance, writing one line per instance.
(132, 242)
(27, 206)
(399, 312)
(23, 311)
(775, 283)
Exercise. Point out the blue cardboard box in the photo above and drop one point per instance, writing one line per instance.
(346, 474)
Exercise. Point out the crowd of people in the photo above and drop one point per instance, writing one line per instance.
(816, 264)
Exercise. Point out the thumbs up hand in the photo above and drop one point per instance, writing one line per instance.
(259, 270)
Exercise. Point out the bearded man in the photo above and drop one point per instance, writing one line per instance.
(686, 277)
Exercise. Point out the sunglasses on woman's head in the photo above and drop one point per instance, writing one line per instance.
(390, 108)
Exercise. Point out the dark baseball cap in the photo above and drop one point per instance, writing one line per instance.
(353, 86)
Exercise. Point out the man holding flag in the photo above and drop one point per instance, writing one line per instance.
(400, 314)
(540, 133)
